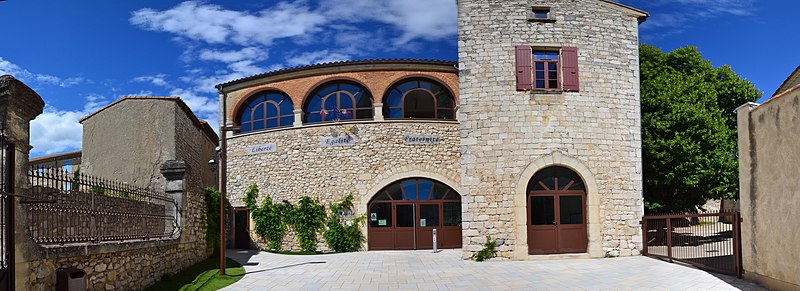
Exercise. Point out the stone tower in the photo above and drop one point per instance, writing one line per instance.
(550, 88)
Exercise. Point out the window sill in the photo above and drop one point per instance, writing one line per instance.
(541, 20)
(543, 91)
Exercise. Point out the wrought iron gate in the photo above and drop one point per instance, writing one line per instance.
(709, 241)
(6, 214)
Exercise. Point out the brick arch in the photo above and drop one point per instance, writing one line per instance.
(592, 202)
(404, 78)
(242, 100)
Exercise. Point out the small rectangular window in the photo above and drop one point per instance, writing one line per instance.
(540, 14)
(546, 74)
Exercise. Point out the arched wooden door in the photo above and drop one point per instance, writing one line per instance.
(556, 212)
(403, 216)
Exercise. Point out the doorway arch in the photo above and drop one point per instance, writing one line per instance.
(404, 214)
(556, 212)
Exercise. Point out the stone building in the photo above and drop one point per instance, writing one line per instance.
(769, 191)
(141, 133)
(68, 162)
(532, 138)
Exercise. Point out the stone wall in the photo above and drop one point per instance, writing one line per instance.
(300, 166)
(769, 198)
(507, 135)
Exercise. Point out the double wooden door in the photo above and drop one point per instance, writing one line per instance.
(557, 222)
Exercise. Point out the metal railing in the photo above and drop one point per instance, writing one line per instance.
(65, 208)
(709, 241)
(6, 212)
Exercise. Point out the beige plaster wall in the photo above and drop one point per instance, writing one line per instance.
(507, 135)
(130, 140)
(769, 149)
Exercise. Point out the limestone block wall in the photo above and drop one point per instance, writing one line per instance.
(300, 166)
(506, 135)
(770, 191)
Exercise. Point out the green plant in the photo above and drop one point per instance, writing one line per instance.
(489, 250)
(307, 219)
(344, 235)
(212, 199)
(270, 218)
(76, 180)
(98, 190)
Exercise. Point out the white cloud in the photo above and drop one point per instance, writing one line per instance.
(158, 80)
(232, 56)
(323, 56)
(24, 75)
(56, 131)
(214, 24)
(425, 19)
(680, 14)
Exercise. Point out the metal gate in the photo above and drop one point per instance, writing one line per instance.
(6, 214)
(709, 241)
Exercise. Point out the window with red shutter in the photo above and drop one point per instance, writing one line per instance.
(569, 67)
(523, 70)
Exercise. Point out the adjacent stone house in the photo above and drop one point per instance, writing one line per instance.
(532, 138)
(769, 155)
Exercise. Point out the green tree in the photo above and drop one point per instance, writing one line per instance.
(689, 150)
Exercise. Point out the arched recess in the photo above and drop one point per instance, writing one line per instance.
(265, 109)
(388, 178)
(419, 97)
(338, 99)
(594, 248)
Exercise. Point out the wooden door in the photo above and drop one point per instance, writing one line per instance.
(428, 218)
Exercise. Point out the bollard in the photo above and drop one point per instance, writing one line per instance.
(434, 240)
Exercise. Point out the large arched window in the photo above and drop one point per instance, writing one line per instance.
(338, 100)
(266, 110)
(419, 99)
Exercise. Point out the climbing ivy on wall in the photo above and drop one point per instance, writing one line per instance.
(340, 226)
(343, 233)
(307, 219)
(212, 218)
(270, 218)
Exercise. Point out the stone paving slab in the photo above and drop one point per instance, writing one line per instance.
(424, 270)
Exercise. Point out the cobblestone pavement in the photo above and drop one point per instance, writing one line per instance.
(424, 270)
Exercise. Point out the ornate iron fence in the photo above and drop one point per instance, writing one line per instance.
(710, 241)
(67, 208)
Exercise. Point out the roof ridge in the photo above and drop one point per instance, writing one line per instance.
(336, 63)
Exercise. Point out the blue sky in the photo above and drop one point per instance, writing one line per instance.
(81, 55)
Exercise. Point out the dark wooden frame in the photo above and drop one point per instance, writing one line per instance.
(266, 117)
(433, 95)
(448, 236)
(556, 228)
(337, 94)
(546, 63)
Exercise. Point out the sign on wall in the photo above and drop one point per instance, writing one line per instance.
(337, 141)
(262, 148)
(420, 139)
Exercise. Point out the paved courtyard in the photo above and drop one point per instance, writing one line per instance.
(424, 270)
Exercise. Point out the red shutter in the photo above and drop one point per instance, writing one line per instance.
(569, 68)
(524, 68)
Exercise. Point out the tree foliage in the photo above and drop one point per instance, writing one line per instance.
(212, 218)
(689, 146)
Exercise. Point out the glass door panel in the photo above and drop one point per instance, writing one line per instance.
(571, 209)
(543, 210)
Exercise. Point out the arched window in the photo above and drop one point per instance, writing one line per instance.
(266, 110)
(419, 98)
(339, 100)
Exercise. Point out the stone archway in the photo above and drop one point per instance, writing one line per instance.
(594, 247)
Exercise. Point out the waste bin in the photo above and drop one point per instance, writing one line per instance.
(70, 279)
